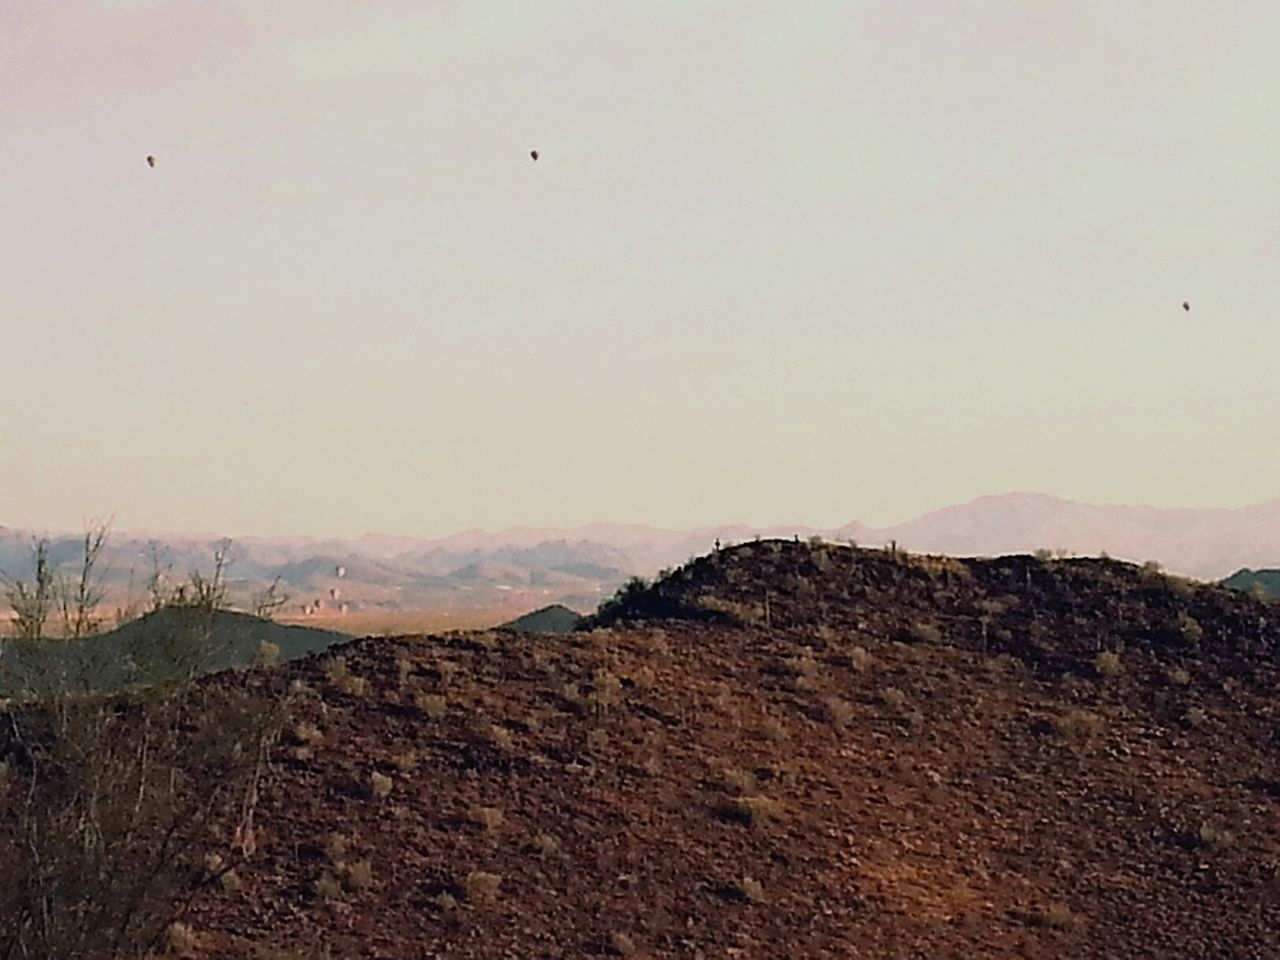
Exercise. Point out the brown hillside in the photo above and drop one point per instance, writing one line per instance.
(902, 757)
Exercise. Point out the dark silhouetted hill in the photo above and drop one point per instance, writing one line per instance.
(553, 619)
(161, 646)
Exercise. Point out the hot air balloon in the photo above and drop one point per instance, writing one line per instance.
(534, 154)
(334, 594)
(1186, 306)
(151, 161)
(341, 572)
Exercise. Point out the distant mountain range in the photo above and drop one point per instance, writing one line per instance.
(526, 567)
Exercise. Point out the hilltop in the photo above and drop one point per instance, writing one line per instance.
(504, 573)
(782, 750)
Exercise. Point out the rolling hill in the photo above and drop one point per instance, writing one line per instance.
(781, 750)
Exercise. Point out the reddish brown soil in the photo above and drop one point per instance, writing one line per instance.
(926, 800)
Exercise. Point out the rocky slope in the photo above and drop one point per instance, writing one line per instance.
(784, 751)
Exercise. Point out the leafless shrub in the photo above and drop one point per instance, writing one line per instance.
(380, 785)
(110, 802)
(33, 601)
(267, 601)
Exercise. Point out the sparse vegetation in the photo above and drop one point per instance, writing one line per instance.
(432, 705)
(756, 811)
(491, 818)
(751, 890)
(481, 887)
(1108, 664)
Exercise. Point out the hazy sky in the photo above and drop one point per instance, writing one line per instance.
(803, 262)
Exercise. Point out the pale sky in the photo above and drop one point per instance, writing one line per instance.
(802, 262)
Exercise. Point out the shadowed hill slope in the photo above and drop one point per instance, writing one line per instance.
(783, 751)
(556, 618)
(1259, 582)
(159, 646)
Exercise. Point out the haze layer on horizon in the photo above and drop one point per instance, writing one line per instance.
(814, 262)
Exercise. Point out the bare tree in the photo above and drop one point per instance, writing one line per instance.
(33, 601)
(269, 599)
(79, 599)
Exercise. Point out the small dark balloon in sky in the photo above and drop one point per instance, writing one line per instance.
(534, 154)
(1186, 306)
(151, 161)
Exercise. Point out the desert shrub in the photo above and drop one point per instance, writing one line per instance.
(926, 633)
(597, 740)
(307, 733)
(380, 785)
(111, 805)
(804, 665)
(893, 697)
(606, 692)
(751, 890)
(181, 939)
(740, 781)
(501, 737)
(335, 668)
(859, 657)
(1107, 663)
(771, 728)
(406, 761)
(1178, 676)
(1078, 724)
(359, 875)
(230, 882)
(1189, 628)
(267, 654)
(491, 818)
(1214, 837)
(621, 945)
(1196, 717)
(353, 686)
(1057, 915)
(838, 711)
(737, 614)
(481, 887)
(433, 706)
(546, 845)
(328, 887)
(757, 810)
